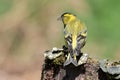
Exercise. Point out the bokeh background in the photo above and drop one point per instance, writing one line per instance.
(29, 27)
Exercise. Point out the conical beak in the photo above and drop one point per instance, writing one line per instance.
(59, 19)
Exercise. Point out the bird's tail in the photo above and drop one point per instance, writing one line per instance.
(70, 60)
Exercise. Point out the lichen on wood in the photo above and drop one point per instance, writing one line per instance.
(53, 69)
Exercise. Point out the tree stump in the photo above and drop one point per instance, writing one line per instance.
(87, 71)
(53, 69)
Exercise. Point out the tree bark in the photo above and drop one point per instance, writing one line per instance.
(88, 71)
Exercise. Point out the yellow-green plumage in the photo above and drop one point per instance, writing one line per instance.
(75, 28)
(74, 31)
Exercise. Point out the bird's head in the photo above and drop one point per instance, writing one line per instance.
(67, 18)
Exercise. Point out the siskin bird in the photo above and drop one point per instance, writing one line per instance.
(75, 33)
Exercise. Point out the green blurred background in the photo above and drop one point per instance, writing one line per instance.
(29, 27)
